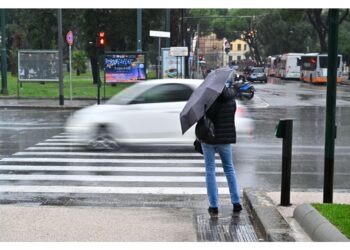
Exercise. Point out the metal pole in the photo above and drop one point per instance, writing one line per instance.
(158, 67)
(331, 105)
(70, 72)
(167, 27)
(286, 161)
(177, 67)
(139, 30)
(3, 54)
(60, 57)
(99, 92)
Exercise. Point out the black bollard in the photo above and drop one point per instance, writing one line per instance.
(284, 129)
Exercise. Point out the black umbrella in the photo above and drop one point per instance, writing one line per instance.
(204, 96)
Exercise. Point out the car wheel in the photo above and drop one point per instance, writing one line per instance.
(103, 139)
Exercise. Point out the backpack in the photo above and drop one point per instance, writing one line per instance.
(205, 130)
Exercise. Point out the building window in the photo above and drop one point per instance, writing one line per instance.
(238, 58)
(239, 47)
(245, 47)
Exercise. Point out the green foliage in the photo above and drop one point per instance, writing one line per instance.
(344, 40)
(337, 214)
(79, 61)
(276, 31)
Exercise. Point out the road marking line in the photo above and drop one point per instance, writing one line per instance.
(200, 169)
(190, 179)
(108, 190)
(110, 154)
(84, 160)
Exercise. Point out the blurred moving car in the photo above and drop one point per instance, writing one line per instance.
(145, 113)
(171, 73)
(257, 74)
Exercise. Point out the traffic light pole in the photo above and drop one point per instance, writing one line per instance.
(167, 27)
(139, 30)
(331, 105)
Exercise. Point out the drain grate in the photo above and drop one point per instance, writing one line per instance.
(228, 227)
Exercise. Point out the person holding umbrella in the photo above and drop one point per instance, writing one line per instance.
(216, 94)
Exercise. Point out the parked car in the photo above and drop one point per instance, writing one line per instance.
(147, 112)
(257, 74)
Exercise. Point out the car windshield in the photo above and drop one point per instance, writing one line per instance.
(127, 95)
(258, 70)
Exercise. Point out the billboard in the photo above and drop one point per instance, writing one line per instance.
(172, 67)
(125, 67)
(38, 65)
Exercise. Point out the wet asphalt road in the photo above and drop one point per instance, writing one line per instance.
(257, 159)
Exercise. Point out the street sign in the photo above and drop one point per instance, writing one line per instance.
(69, 38)
(178, 51)
(159, 33)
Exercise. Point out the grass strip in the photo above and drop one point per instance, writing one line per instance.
(82, 87)
(337, 214)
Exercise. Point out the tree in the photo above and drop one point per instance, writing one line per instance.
(318, 18)
(79, 61)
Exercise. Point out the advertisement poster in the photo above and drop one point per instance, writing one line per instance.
(172, 67)
(125, 67)
(38, 65)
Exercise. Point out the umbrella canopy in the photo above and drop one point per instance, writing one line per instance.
(204, 95)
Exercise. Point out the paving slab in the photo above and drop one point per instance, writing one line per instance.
(86, 224)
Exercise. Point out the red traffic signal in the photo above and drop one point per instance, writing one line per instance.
(101, 39)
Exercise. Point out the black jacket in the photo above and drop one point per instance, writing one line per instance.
(222, 113)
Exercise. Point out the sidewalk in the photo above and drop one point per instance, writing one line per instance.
(28, 223)
(20, 223)
(9, 102)
(278, 222)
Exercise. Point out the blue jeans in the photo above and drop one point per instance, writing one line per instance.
(225, 152)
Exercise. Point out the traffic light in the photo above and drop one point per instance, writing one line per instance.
(101, 41)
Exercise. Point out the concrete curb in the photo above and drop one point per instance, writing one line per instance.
(266, 217)
(316, 226)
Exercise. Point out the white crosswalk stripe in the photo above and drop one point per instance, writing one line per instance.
(60, 165)
(108, 190)
(105, 169)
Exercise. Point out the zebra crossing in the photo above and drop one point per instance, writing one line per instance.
(62, 165)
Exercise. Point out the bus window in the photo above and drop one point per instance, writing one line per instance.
(324, 62)
(298, 62)
(308, 63)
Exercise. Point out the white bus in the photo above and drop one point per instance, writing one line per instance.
(314, 68)
(290, 65)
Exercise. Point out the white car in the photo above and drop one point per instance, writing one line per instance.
(147, 112)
